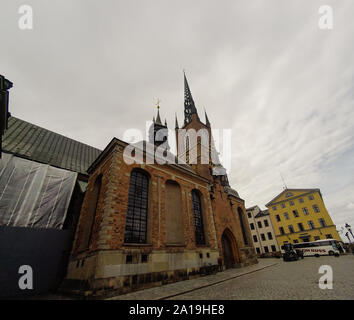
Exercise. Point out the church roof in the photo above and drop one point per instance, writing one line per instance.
(173, 159)
(32, 142)
(231, 192)
(143, 145)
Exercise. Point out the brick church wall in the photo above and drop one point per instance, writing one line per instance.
(103, 264)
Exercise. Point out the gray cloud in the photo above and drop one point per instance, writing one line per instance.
(91, 70)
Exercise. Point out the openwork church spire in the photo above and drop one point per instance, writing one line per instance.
(189, 106)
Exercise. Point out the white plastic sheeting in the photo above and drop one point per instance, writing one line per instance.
(32, 194)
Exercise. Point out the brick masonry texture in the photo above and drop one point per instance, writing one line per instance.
(220, 212)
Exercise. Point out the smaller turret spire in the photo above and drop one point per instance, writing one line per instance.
(157, 130)
(176, 123)
(158, 119)
(206, 119)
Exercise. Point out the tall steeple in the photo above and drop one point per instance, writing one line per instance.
(189, 106)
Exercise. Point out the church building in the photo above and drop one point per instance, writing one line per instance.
(147, 224)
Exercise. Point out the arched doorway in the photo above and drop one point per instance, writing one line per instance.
(229, 249)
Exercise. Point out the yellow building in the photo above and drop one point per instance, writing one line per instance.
(300, 215)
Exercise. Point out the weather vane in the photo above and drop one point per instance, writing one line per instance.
(158, 103)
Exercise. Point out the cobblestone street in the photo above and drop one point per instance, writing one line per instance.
(270, 279)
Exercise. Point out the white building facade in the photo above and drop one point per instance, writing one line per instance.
(262, 231)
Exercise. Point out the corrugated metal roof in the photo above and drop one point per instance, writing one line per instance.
(32, 142)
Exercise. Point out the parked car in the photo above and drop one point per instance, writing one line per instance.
(290, 253)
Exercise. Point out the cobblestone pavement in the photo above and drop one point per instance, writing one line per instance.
(173, 289)
(297, 280)
(269, 279)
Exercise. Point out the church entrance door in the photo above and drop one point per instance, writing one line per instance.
(229, 259)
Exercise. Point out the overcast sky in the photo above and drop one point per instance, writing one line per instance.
(92, 69)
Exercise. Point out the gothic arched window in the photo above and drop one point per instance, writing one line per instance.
(136, 222)
(198, 218)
